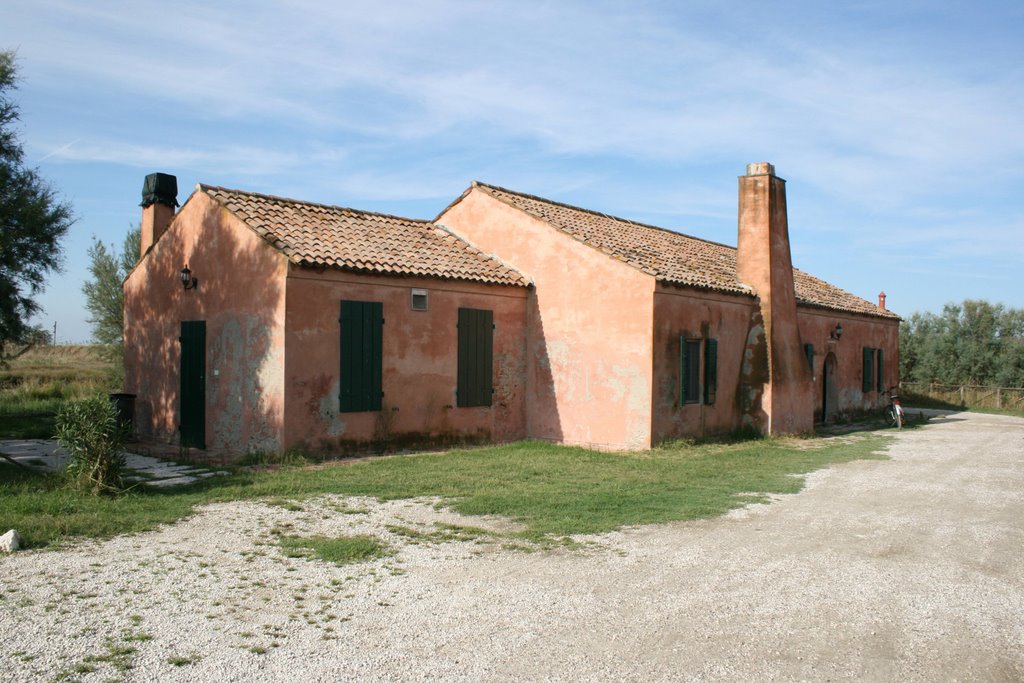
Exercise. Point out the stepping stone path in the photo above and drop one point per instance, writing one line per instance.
(48, 455)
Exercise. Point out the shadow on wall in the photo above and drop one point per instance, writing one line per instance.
(543, 419)
(240, 296)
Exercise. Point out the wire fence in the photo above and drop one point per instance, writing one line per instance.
(966, 395)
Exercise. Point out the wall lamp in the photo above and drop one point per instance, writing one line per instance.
(187, 280)
(837, 332)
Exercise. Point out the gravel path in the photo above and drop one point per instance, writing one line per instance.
(904, 569)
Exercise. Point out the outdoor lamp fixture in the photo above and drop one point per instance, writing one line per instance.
(187, 280)
(836, 333)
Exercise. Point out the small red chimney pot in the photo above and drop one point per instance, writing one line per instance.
(881, 300)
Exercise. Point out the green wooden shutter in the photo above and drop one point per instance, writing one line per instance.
(689, 371)
(361, 367)
(682, 370)
(710, 370)
(475, 381)
(193, 383)
(881, 370)
(867, 370)
(809, 352)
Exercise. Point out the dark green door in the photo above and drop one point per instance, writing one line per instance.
(193, 383)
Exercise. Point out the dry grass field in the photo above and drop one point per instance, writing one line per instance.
(35, 384)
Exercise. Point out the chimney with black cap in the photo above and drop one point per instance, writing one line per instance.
(159, 197)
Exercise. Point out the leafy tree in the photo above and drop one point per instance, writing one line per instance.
(974, 342)
(104, 296)
(32, 220)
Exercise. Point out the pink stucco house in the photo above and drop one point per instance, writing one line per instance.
(508, 316)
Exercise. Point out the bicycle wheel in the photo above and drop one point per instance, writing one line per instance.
(898, 416)
(891, 416)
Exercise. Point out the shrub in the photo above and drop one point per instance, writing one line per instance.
(94, 437)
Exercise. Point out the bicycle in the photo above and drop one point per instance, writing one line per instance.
(894, 411)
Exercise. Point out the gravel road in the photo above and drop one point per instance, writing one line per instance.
(904, 569)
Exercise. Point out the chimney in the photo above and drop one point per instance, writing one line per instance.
(763, 262)
(159, 197)
(881, 300)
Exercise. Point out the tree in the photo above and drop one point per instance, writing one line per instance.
(104, 296)
(974, 342)
(32, 220)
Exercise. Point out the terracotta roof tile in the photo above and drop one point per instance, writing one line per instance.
(336, 237)
(669, 256)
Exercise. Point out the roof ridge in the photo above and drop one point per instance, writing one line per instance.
(204, 187)
(436, 251)
(477, 183)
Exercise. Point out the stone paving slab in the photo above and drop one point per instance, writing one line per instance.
(45, 454)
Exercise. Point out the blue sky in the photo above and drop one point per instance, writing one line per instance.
(898, 126)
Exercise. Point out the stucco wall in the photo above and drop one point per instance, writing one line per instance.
(700, 315)
(816, 326)
(589, 327)
(241, 297)
(419, 362)
(697, 314)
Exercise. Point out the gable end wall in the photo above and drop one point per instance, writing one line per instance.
(241, 297)
(589, 327)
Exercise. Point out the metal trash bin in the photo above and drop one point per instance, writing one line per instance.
(125, 404)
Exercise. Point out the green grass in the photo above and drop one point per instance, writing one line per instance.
(339, 550)
(553, 491)
(38, 427)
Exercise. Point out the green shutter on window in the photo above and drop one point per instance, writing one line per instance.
(361, 366)
(868, 369)
(475, 382)
(689, 371)
(881, 370)
(809, 352)
(710, 370)
(682, 371)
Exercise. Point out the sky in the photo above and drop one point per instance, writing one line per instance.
(898, 126)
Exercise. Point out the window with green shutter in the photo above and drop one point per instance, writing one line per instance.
(362, 324)
(867, 372)
(689, 370)
(476, 358)
(710, 370)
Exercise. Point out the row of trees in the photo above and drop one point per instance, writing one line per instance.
(974, 342)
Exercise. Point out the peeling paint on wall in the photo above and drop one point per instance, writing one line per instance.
(241, 362)
(754, 375)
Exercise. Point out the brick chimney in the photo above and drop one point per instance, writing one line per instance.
(159, 197)
(763, 262)
(881, 300)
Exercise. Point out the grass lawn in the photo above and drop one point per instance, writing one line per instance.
(553, 491)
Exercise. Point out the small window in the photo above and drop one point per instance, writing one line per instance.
(809, 352)
(419, 299)
(689, 370)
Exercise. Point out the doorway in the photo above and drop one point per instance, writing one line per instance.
(829, 389)
(193, 383)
